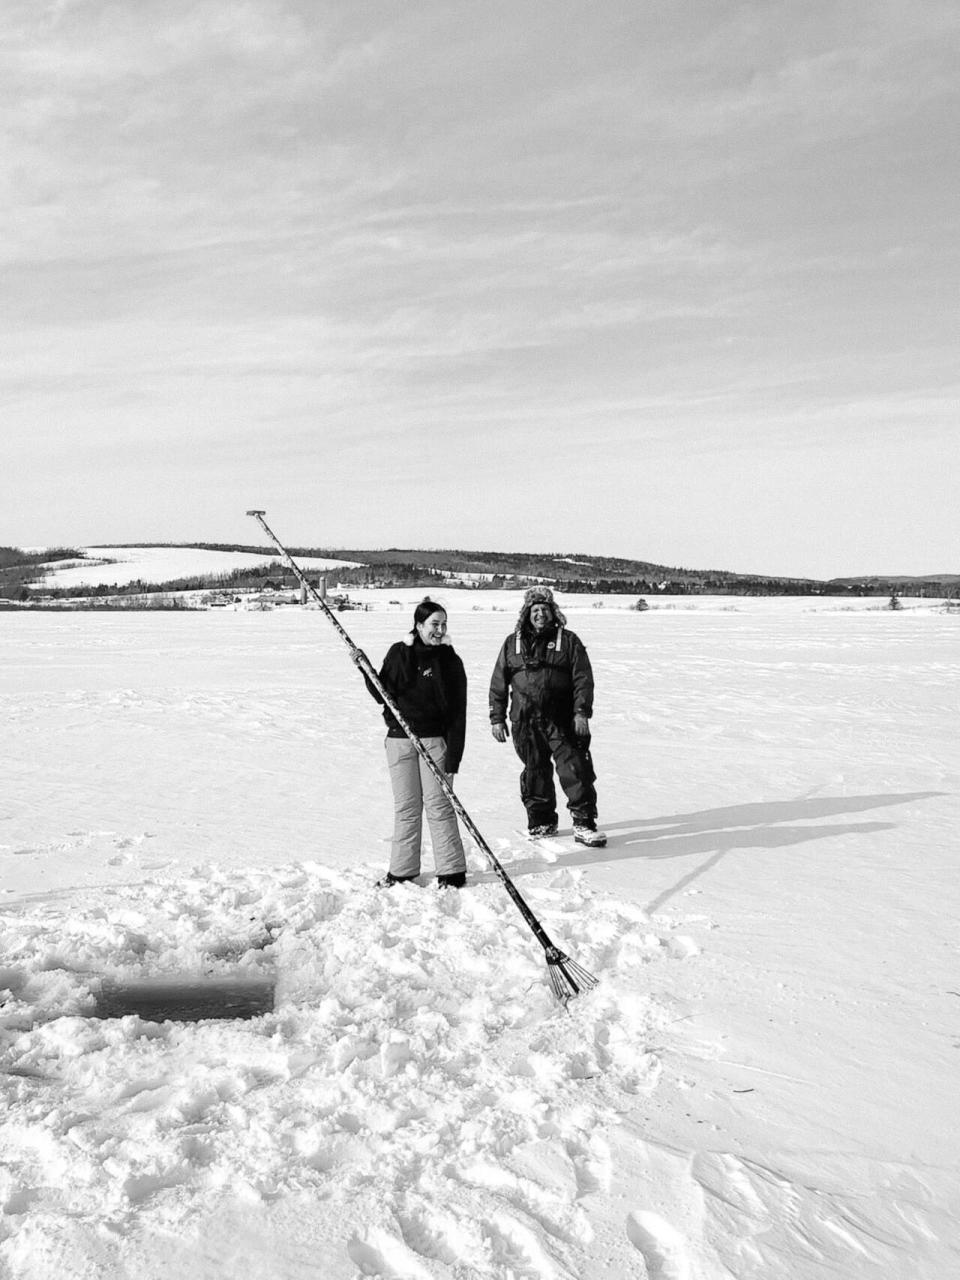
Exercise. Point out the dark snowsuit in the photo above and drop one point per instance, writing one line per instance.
(549, 680)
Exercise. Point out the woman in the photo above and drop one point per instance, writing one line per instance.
(426, 680)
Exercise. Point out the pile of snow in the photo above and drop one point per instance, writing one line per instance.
(416, 1078)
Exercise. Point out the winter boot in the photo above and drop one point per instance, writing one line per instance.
(390, 879)
(587, 833)
(544, 829)
(456, 880)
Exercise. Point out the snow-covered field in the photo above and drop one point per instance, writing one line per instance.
(115, 566)
(762, 1085)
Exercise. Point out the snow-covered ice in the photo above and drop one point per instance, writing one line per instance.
(762, 1084)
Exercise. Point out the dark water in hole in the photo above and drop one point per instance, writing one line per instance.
(187, 999)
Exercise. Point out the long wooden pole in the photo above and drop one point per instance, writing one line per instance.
(567, 978)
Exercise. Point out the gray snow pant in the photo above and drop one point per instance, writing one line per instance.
(416, 790)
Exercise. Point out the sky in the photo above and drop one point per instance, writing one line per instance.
(676, 281)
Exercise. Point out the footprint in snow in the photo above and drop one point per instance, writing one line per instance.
(435, 1233)
(382, 1254)
(661, 1246)
(516, 1248)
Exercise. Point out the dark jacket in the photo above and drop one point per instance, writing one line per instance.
(429, 686)
(547, 674)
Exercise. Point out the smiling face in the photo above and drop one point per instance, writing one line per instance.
(541, 615)
(433, 629)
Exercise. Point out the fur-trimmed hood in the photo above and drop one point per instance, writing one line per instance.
(538, 595)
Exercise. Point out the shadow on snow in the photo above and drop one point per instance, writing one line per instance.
(718, 832)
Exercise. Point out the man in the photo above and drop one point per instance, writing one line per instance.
(547, 672)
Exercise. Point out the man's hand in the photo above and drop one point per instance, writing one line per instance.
(500, 732)
(581, 725)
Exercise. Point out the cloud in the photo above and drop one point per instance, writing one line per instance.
(285, 233)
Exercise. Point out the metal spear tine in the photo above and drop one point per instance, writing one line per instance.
(567, 977)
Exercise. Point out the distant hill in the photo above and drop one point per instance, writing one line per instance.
(580, 572)
(884, 581)
(571, 573)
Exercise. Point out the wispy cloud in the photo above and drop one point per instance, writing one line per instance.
(428, 241)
